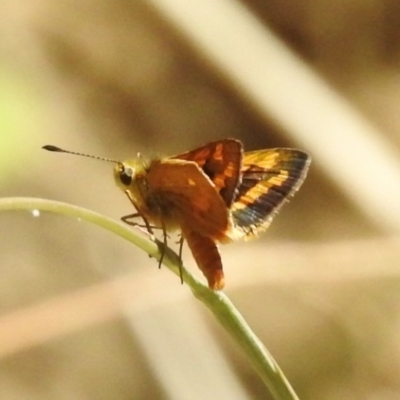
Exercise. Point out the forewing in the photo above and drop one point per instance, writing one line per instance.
(269, 177)
(221, 161)
(183, 193)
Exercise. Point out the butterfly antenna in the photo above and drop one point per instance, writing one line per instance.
(50, 147)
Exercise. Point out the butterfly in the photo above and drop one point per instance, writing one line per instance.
(214, 194)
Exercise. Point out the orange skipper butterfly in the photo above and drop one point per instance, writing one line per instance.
(214, 194)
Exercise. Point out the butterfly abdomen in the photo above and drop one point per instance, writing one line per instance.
(207, 257)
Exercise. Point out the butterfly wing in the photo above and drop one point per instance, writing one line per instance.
(181, 193)
(221, 161)
(269, 177)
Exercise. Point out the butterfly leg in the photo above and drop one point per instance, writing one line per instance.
(180, 242)
(127, 218)
(165, 237)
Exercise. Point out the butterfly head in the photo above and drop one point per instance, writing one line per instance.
(126, 173)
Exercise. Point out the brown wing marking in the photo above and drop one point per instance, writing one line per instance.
(221, 161)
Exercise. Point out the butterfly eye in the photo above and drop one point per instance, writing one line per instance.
(126, 175)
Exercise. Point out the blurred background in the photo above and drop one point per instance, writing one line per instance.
(85, 315)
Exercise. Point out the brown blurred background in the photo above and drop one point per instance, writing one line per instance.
(111, 78)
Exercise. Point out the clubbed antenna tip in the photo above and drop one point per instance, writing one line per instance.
(49, 147)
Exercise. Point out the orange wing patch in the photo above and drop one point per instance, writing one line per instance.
(221, 161)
